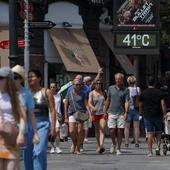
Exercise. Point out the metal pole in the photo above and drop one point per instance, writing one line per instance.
(13, 36)
(26, 38)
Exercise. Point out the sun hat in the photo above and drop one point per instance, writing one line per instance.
(18, 69)
(6, 72)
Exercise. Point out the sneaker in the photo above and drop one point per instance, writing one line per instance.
(150, 154)
(52, 150)
(86, 140)
(113, 149)
(157, 151)
(118, 152)
(126, 145)
(102, 149)
(81, 148)
(136, 145)
(58, 150)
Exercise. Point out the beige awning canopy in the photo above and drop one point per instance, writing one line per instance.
(74, 50)
(4, 53)
(123, 59)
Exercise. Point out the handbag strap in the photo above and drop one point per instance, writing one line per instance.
(73, 102)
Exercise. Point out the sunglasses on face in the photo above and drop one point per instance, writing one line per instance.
(77, 84)
(17, 77)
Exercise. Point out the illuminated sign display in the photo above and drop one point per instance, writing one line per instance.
(136, 13)
(136, 42)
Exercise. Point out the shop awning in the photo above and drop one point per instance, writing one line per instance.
(123, 59)
(74, 50)
(4, 53)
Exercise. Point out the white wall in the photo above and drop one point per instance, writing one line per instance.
(59, 12)
(4, 16)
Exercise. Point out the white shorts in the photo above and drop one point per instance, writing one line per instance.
(116, 121)
(72, 119)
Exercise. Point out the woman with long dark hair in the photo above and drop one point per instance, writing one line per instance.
(11, 114)
(44, 104)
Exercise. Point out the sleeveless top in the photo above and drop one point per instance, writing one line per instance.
(41, 103)
(98, 103)
(6, 108)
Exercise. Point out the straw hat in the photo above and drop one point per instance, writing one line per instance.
(19, 70)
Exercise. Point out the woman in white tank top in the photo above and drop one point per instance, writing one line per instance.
(11, 114)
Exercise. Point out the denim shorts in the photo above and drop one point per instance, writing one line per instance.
(153, 125)
(133, 115)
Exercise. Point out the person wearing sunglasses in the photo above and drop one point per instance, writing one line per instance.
(76, 100)
(96, 103)
(11, 114)
(31, 134)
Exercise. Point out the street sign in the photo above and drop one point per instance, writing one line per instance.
(5, 44)
(41, 24)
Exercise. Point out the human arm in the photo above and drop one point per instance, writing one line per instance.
(66, 104)
(22, 122)
(126, 109)
(52, 110)
(100, 71)
(163, 107)
(90, 102)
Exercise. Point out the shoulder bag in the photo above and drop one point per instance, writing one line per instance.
(8, 130)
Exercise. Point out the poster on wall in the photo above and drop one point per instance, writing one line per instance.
(136, 13)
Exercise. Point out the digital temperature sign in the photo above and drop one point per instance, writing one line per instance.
(136, 41)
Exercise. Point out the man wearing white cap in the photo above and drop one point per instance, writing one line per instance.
(30, 132)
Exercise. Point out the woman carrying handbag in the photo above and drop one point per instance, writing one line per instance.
(76, 113)
(11, 114)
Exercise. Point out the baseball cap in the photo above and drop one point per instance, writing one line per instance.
(6, 72)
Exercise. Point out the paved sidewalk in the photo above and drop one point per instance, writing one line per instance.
(131, 159)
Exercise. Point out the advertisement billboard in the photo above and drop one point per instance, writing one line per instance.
(136, 13)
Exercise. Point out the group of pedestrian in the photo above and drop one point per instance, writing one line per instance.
(117, 108)
(30, 117)
(24, 116)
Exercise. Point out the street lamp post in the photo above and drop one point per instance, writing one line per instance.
(26, 38)
(13, 36)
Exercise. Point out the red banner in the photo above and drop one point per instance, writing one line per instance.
(5, 44)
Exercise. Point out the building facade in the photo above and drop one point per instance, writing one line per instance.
(80, 42)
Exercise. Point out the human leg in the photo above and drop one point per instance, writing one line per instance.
(79, 135)
(150, 132)
(28, 151)
(72, 132)
(96, 125)
(136, 131)
(120, 127)
(2, 164)
(102, 124)
(126, 132)
(40, 150)
(11, 164)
